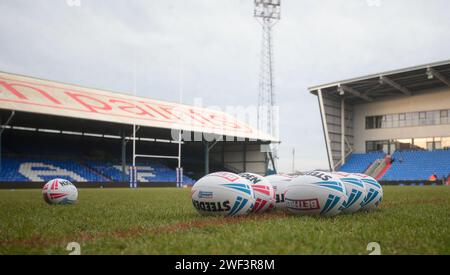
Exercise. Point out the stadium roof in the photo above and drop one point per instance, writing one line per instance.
(404, 82)
(46, 104)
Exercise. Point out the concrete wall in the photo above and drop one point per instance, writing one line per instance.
(426, 101)
(332, 107)
(241, 157)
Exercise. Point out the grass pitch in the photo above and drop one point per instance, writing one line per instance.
(411, 220)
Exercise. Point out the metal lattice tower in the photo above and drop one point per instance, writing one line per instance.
(267, 12)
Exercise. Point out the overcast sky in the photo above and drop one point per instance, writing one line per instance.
(218, 41)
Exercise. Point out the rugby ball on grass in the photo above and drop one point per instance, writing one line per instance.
(315, 193)
(279, 183)
(60, 191)
(356, 191)
(223, 194)
(264, 193)
(374, 192)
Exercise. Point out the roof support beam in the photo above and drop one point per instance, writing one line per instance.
(354, 92)
(323, 116)
(395, 85)
(7, 121)
(439, 76)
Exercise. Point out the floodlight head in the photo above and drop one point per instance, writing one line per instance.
(268, 9)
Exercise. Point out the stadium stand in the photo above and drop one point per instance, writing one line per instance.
(418, 165)
(411, 165)
(150, 171)
(37, 170)
(16, 169)
(359, 162)
(39, 157)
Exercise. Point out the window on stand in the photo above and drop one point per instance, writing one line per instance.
(444, 117)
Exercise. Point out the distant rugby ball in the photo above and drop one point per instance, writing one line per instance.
(279, 183)
(315, 193)
(356, 191)
(374, 192)
(223, 194)
(60, 191)
(264, 193)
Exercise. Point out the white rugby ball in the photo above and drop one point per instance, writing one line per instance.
(60, 191)
(279, 182)
(356, 191)
(315, 193)
(223, 194)
(264, 193)
(374, 192)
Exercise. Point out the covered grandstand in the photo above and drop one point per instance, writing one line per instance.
(51, 129)
(393, 125)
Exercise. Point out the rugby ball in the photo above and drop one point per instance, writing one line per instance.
(223, 194)
(264, 193)
(279, 183)
(356, 191)
(374, 192)
(60, 191)
(315, 193)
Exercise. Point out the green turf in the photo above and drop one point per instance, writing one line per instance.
(412, 220)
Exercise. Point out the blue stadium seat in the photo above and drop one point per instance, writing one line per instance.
(150, 171)
(16, 169)
(418, 165)
(37, 170)
(359, 162)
